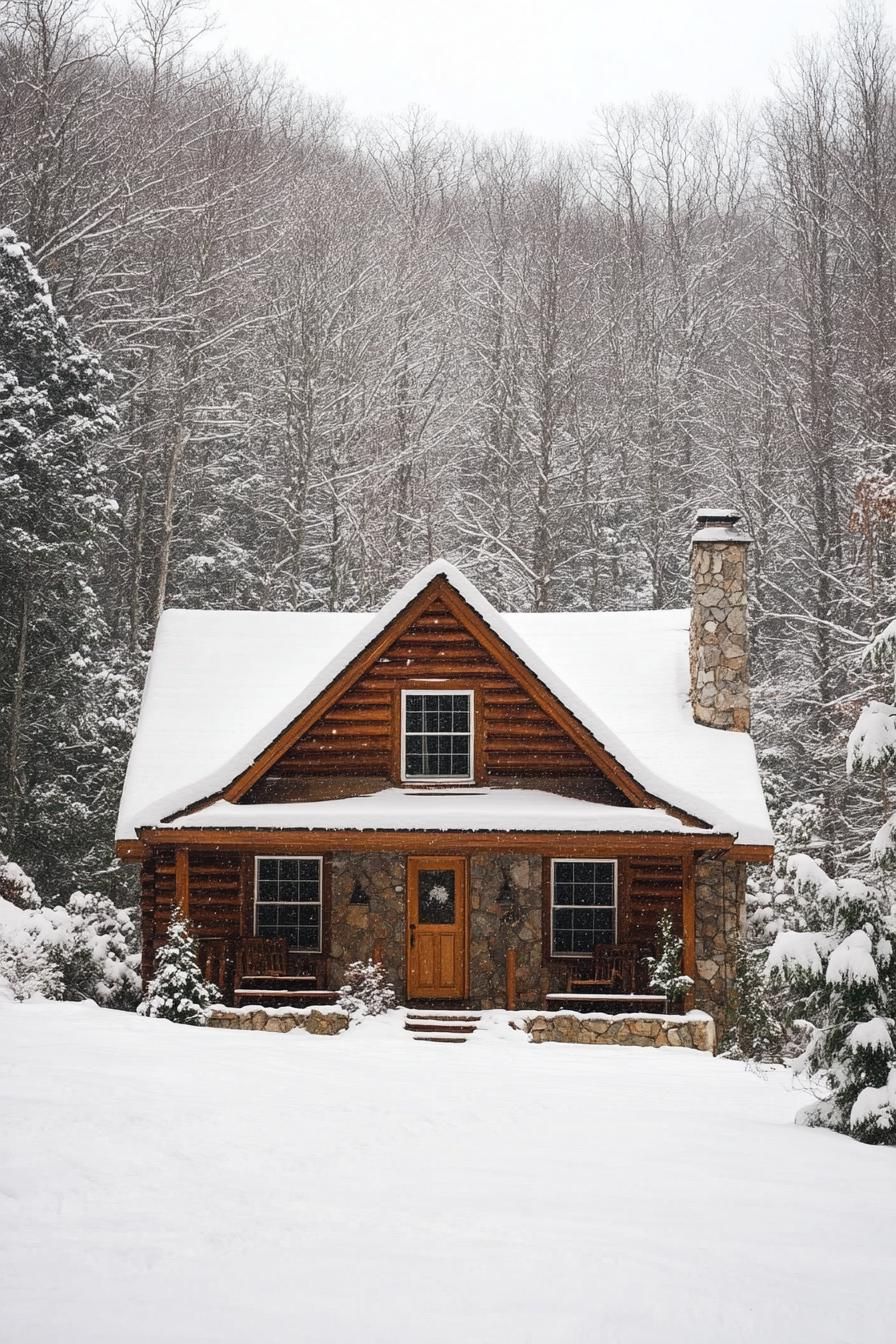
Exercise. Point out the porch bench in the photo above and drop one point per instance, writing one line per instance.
(616, 1002)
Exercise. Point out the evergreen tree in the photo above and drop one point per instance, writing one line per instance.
(178, 991)
(758, 1030)
(367, 991)
(55, 512)
(665, 969)
(843, 973)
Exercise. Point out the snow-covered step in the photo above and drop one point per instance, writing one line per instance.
(443, 1039)
(440, 1024)
(424, 1024)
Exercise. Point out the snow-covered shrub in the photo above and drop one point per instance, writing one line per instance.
(98, 952)
(178, 991)
(665, 969)
(16, 886)
(85, 949)
(843, 974)
(27, 970)
(367, 990)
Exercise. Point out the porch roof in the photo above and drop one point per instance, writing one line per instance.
(470, 809)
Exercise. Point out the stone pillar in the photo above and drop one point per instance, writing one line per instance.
(720, 682)
(721, 887)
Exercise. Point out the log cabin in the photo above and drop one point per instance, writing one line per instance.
(483, 802)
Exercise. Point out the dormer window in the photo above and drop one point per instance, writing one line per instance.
(437, 736)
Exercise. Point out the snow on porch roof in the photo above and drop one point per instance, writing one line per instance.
(438, 810)
(223, 684)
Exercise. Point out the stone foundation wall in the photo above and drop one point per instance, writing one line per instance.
(695, 1031)
(720, 920)
(313, 1020)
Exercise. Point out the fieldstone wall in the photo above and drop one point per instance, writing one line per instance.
(497, 927)
(375, 929)
(720, 683)
(695, 1031)
(720, 919)
(318, 1022)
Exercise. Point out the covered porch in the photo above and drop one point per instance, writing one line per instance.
(514, 939)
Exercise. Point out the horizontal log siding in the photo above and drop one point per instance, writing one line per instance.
(360, 735)
(650, 885)
(214, 885)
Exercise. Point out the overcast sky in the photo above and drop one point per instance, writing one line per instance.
(540, 66)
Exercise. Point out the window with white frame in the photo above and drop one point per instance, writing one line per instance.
(583, 905)
(288, 901)
(437, 735)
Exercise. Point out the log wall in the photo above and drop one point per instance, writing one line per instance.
(358, 740)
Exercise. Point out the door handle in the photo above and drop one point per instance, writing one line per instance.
(413, 931)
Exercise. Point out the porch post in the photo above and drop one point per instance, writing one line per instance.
(510, 975)
(182, 881)
(247, 876)
(689, 923)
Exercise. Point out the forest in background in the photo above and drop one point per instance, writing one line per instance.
(339, 351)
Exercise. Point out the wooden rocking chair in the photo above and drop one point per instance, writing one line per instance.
(212, 957)
(261, 956)
(613, 971)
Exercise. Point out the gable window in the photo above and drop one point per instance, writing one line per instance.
(583, 905)
(288, 901)
(437, 735)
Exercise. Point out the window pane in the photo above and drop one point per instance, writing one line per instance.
(267, 870)
(436, 896)
(562, 941)
(583, 912)
(437, 736)
(266, 921)
(308, 939)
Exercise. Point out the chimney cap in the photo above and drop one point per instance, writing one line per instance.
(720, 525)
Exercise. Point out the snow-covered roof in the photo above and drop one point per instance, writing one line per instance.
(223, 684)
(438, 810)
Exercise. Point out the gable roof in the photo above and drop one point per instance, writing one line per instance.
(223, 685)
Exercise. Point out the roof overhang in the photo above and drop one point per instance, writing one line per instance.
(577, 844)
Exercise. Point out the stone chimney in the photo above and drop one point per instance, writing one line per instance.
(720, 680)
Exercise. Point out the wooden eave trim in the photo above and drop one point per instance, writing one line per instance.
(751, 853)
(131, 851)
(615, 843)
(504, 656)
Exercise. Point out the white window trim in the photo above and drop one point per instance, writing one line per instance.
(614, 864)
(438, 779)
(299, 858)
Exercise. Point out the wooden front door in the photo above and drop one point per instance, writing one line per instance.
(437, 928)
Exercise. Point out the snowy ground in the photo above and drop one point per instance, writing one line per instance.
(168, 1184)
